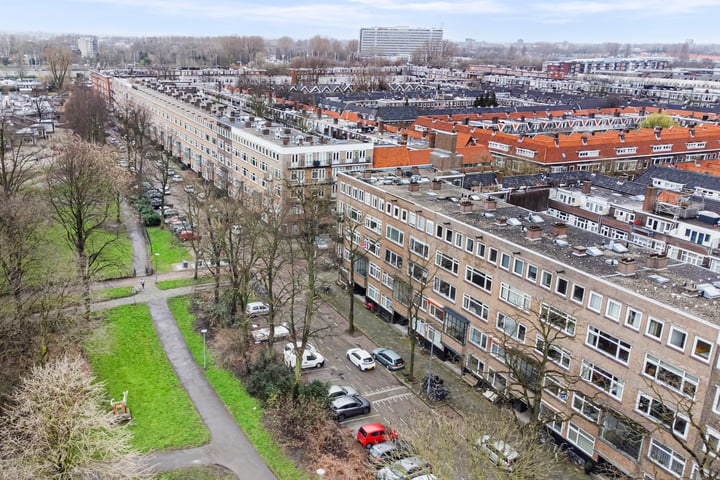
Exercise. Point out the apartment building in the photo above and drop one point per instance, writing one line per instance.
(622, 341)
(234, 150)
(397, 42)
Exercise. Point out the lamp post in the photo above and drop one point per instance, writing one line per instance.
(431, 334)
(204, 331)
(321, 473)
(156, 261)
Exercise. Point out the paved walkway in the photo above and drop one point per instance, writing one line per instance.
(229, 446)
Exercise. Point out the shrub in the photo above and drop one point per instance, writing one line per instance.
(151, 219)
(316, 391)
(269, 379)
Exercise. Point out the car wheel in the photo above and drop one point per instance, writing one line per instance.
(340, 418)
(366, 410)
(360, 368)
(319, 364)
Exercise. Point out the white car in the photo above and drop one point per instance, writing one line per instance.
(310, 359)
(498, 451)
(189, 189)
(257, 308)
(263, 334)
(361, 359)
(289, 347)
(177, 178)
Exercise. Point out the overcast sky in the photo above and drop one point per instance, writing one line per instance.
(635, 21)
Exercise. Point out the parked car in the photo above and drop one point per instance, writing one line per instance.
(388, 358)
(360, 358)
(406, 468)
(498, 451)
(257, 308)
(335, 391)
(156, 202)
(177, 178)
(189, 189)
(310, 358)
(186, 235)
(385, 453)
(290, 347)
(373, 433)
(262, 334)
(349, 406)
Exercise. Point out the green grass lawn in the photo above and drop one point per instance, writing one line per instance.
(112, 293)
(247, 410)
(183, 282)
(126, 354)
(170, 249)
(205, 472)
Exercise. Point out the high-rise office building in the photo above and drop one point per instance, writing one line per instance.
(397, 41)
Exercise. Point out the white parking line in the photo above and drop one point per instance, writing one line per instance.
(384, 390)
(395, 398)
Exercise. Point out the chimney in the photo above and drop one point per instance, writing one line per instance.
(650, 197)
(466, 206)
(466, 120)
(559, 229)
(381, 126)
(658, 131)
(414, 187)
(657, 261)
(490, 204)
(436, 184)
(586, 184)
(579, 251)
(691, 131)
(584, 140)
(415, 170)
(556, 140)
(621, 137)
(533, 232)
(431, 139)
(627, 266)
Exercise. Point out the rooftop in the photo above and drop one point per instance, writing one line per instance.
(600, 257)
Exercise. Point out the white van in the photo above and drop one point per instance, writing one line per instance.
(310, 359)
(257, 308)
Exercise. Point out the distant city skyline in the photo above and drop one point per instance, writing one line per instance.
(495, 21)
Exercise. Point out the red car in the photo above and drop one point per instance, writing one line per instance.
(373, 433)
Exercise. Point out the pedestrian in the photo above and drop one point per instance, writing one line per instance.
(142, 284)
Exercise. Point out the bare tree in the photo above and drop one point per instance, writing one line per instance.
(56, 428)
(59, 61)
(135, 120)
(86, 114)
(81, 192)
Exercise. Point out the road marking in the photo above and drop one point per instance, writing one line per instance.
(358, 417)
(384, 390)
(395, 398)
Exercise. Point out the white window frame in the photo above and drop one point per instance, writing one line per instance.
(591, 299)
(670, 340)
(447, 263)
(612, 304)
(482, 343)
(694, 353)
(636, 317)
(475, 307)
(391, 232)
(582, 404)
(672, 456)
(615, 384)
(374, 271)
(518, 331)
(650, 322)
(546, 279)
(452, 290)
(580, 438)
(515, 297)
(686, 378)
(670, 424)
(556, 354)
(596, 337)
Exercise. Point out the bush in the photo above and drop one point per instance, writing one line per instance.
(269, 379)
(151, 219)
(316, 391)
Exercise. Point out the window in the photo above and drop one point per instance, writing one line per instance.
(455, 326)
(712, 441)
(505, 261)
(602, 379)
(622, 433)
(578, 293)
(441, 287)
(446, 262)
(558, 319)
(595, 302)
(546, 279)
(475, 365)
(480, 250)
(372, 223)
(677, 338)
(395, 235)
(514, 296)
(671, 376)
(388, 280)
(562, 287)
(555, 388)
(633, 318)
(476, 307)
(554, 353)
(580, 438)
(393, 259)
(532, 273)
(478, 338)
(492, 255)
(419, 248)
(608, 344)
(458, 240)
(551, 419)
(469, 245)
(716, 401)
(654, 328)
(417, 272)
(478, 278)
(497, 351)
(612, 310)
(518, 267)
(374, 271)
(666, 457)
(372, 246)
(511, 328)
(702, 349)
(373, 292)
(658, 412)
(587, 408)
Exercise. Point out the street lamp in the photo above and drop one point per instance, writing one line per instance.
(431, 335)
(156, 270)
(204, 331)
(321, 473)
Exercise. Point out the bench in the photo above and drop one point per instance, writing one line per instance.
(470, 379)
